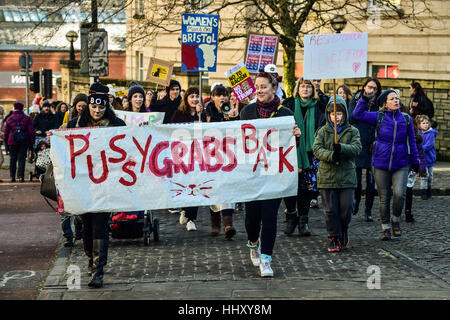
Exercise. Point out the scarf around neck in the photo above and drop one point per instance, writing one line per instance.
(307, 128)
(266, 109)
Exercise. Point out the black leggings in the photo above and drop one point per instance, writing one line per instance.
(261, 217)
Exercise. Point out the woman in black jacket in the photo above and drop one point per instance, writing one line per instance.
(170, 102)
(261, 215)
(95, 224)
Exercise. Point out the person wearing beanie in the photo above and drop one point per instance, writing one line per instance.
(336, 178)
(98, 113)
(170, 102)
(395, 152)
(136, 95)
(18, 144)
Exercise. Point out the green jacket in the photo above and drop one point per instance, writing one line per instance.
(343, 175)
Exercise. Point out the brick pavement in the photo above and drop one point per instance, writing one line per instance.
(193, 265)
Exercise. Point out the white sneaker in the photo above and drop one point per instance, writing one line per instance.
(183, 218)
(255, 253)
(264, 266)
(190, 226)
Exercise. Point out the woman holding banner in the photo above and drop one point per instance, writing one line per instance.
(95, 224)
(261, 216)
(394, 153)
(215, 112)
(190, 110)
(309, 117)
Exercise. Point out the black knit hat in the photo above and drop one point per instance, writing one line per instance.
(135, 88)
(173, 83)
(99, 88)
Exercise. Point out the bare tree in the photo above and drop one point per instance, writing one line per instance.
(289, 19)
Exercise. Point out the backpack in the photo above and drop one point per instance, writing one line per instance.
(380, 118)
(19, 135)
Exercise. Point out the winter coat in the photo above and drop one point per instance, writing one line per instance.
(25, 124)
(213, 115)
(429, 148)
(343, 175)
(391, 145)
(424, 106)
(366, 132)
(250, 112)
(167, 106)
(44, 122)
(181, 117)
(421, 154)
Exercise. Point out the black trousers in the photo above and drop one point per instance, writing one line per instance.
(18, 153)
(95, 226)
(338, 209)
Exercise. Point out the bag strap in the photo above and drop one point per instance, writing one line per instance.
(276, 111)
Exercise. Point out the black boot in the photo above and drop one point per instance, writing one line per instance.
(303, 227)
(424, 194)
(409, 217)
(291, 222)
(429, 192)
(100, 255)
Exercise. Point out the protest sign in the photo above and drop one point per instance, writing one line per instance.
(137, 118)
(335, 56)
(199, 38)
(261, 51)
(240, 81)
(159, 71)
(118, 92)
(174, 165)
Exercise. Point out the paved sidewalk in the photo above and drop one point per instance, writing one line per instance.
(193, 265)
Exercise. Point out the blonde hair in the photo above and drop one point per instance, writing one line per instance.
(302, 81)
(419, 118)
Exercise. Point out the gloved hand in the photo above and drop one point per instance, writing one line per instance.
(336, 152)
(367, 97)
(415, 167)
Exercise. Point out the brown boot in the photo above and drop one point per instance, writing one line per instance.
(215, 225)
(228, 228)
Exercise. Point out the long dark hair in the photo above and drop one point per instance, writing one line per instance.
(184, 105)
(418, 90)
(377, 82)
(130, 106)
(85, 116)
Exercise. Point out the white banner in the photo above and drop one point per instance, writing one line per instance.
(335, 56)
(136, 118)
(174, 165)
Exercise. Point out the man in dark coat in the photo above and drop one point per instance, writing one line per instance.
(45, 121)
(170, 102)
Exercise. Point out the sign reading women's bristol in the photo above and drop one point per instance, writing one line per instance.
(335, 56)
(199, 39)
(174, 165)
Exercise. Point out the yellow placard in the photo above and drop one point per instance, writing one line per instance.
(159, 72)
(239, 76)
(120, 93)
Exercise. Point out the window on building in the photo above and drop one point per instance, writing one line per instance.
(26, 16)
(140, 66)
(8, 16)
(384, 4)
(17, 17)
(385, 71)
(34, 16)
(193, 82)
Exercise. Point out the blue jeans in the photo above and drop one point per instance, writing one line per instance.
(67, 226)
(385, 180)
(261, 217)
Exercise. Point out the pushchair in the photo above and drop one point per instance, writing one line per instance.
(134, 225)
(41, 159)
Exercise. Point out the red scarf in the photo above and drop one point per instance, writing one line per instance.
(266, 109)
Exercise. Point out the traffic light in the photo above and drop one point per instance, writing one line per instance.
(34, 82)
(47, 91)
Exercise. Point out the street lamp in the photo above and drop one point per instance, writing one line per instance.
(72, 36)
(338, 23)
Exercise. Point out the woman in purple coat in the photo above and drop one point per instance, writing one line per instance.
(18, 147)
(395, 152)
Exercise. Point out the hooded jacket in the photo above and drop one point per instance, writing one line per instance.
(391, 145)
(45, 122)
(429, 148)
(330, 174)
(26, 125)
